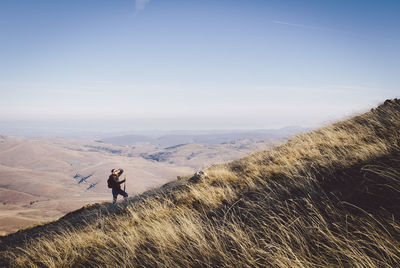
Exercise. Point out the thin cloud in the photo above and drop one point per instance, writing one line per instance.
(310, 27)
(298, 25)
(140, 4)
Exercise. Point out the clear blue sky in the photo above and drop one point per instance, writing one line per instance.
(197, 64)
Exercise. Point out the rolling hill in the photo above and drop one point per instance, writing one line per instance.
(42, 179)
(327, 198)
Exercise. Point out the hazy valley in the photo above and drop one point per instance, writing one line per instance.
(41, 179)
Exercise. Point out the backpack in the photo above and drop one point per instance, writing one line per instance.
(110, 182)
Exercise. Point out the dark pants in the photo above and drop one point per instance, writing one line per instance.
(116, 192)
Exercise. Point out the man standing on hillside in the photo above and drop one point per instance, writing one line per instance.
(115, 184)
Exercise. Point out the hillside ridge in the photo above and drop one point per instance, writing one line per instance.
(84, 216)
(324, 198)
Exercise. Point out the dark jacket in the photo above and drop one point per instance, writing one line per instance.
(116, 185)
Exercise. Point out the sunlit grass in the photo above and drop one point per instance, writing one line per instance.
(307, 203)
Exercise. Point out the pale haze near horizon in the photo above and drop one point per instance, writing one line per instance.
(195, 65)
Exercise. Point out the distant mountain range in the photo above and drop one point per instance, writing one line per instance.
(205, 138)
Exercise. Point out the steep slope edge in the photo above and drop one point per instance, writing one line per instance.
(326, 198)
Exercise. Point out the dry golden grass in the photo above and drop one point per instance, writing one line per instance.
(325, 198)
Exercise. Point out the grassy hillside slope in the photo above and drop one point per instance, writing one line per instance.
(326, 198)
(42, 179)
